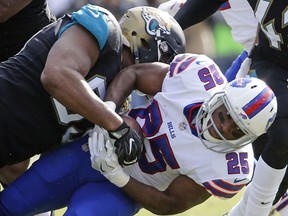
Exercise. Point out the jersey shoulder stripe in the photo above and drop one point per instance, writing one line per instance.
(222, 189)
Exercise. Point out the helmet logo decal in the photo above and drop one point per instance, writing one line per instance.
(153, 22)
(240, 83)
(270, 121)
(259, 102)
(243, 116)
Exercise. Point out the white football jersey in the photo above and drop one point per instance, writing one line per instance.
(239, 15)
(172, 147)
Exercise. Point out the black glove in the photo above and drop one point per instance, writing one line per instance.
(128, 144)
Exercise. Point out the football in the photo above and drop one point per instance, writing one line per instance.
(132, 123)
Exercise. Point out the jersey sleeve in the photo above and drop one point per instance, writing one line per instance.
(239, 15)
(95, 21)
(223, 175)
(193, 75)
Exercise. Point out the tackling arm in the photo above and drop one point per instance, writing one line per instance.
(145, 77)
(68, 62)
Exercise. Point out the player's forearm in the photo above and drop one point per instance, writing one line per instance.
(145, 77)
(195, 11)
(73, 92)
(120, 88)
(150, 198)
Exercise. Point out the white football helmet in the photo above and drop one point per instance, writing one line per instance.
(252, 105)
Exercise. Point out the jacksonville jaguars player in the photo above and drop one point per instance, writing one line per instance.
(54, 85)
(197, 136)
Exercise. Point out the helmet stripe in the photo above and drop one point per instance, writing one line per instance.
(259, 102)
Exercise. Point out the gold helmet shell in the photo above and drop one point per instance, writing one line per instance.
(153, 34)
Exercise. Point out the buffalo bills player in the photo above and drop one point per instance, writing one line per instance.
(197, 136)
(60, 76)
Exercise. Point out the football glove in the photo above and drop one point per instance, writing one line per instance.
(232, 71)
(128, 144)
(104, 159)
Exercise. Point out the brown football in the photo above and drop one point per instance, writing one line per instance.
(133, 124)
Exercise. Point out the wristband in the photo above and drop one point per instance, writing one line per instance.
(120, 131)
(111, 104)
(118, 177)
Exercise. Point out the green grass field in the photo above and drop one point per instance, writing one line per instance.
(212, 207)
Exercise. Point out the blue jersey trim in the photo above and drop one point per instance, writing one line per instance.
(94, 20)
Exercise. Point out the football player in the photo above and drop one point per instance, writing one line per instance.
(60, 76)
(197, 129)
(246, 17)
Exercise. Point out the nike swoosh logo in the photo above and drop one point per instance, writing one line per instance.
(96, 15)
(101, 168)
(239, 180)
(264, 203)
(131, 140)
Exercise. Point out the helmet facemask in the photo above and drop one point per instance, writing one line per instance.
(165, 49)
(250, 103)
(204, 121)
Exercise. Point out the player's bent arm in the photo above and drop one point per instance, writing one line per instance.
(182, 194)
(145, 77)
(9, 8)
(68, 62)
(195, 11)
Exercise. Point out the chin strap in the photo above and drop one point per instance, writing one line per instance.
(135, 49)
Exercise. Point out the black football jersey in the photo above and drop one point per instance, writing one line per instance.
(31, 121)
(273, 16)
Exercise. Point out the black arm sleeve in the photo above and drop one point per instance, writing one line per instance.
(195, 11)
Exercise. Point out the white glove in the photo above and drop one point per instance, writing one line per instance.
(172, 6)
(104, 159)
(245, 68)
(111, 104)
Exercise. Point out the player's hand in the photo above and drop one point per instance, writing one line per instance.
(104, 159)
(128, 143)
(232, 71)
(172, 6)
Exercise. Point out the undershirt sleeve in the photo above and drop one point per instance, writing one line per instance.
(195, 11)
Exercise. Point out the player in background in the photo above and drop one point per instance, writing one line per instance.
(60, 76)
(20, 20)
(197, 144)
(243, 30)
(267, 63)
